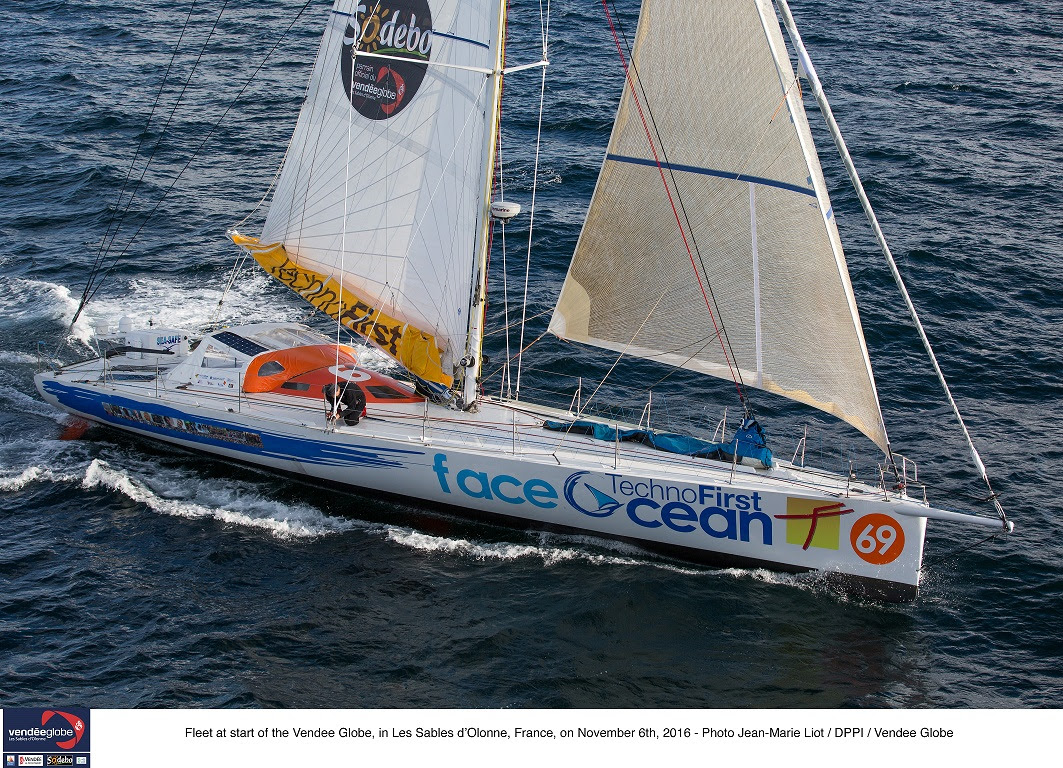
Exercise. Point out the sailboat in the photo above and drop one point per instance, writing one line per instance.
(709, 245)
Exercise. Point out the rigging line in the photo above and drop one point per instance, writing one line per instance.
(228, 286)
(202, 144)
(735, 376)
(865, 202)
(437, 305)
(817, 180)
(100, 252)
(117, 215)
(491, 219)
(744, 166)
(947, 555)
(515, 324)
(470, 368)
(721, 331)
(169, 120)
(674, 369)
(724, 337)
(310, 102)
(243, 254)
(506, 375)
(343, 228)
(531, 221)
(312, 88)
(531, 344)
(545, 28)
(365, 131)
(506, 385)
(269, 188)
(346, 180)
(544, 31)
(585, 405)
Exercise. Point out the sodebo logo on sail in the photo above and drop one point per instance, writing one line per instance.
(647, 503)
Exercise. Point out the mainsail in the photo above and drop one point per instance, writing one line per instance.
(718, 118)
(380, 205)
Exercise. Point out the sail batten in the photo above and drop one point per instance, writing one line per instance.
(730, 143)
(718, 172)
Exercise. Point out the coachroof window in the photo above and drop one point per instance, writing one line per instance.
(269, 368)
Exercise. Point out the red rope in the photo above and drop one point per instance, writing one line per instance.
(668, 191)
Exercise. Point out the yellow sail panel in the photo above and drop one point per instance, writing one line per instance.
(411, 347)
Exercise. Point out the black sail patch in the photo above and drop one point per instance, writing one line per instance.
(400, 33)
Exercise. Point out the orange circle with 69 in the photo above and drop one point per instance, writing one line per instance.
(877, 538)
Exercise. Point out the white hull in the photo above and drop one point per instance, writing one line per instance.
(501, 462)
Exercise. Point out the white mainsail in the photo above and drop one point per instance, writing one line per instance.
(718, 114)
(382, 192)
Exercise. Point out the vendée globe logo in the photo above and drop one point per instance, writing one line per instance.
(41, 730)
(76, 724)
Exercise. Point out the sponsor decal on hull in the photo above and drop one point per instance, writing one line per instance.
(504, 488)
(877, 538)
(813, 522)
(704, 516)
(170, 422)
(705, 510)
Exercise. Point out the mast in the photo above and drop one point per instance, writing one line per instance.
(472, 363)
(828, 115)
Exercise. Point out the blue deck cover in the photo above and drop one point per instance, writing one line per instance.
(748, 441)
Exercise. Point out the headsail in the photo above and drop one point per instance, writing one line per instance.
(716, 91)
(382, 190)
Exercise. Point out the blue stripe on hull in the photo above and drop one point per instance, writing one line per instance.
(224, 434)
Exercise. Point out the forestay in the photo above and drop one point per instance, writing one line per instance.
(382, 190)
(721, 101)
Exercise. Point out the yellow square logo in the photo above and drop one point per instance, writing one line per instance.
(814, 522)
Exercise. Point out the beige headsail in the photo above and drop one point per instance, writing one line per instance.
(378, 207)
(719, 116)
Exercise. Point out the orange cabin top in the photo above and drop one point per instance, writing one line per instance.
(305, 371)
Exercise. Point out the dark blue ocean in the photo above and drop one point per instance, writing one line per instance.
(134, 575)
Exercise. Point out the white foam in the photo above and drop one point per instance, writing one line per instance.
(16, 358)
(178, 304)
(236, 506)
(184, 305)
(549, 553)
(23, 300)
(255, 297)
(34, 474)
(428, 543)
(581, 548)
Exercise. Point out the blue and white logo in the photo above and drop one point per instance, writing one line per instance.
(587, 499)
